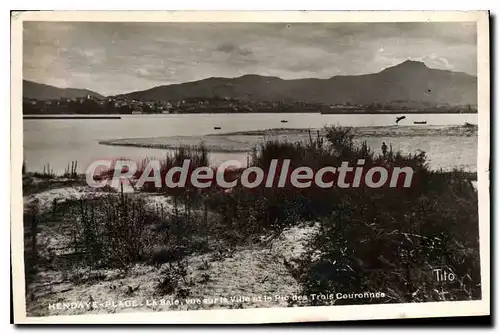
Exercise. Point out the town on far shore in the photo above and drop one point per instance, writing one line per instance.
(91, 104)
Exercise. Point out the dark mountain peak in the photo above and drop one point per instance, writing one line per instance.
(408, 65)
(242, 77)
(251, 76)
(413, 63)
(257, 77)
(35, 90)
(410, 81)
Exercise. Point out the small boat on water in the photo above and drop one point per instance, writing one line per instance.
(217, 128)
(420, 122)
(284, 121)
(398, 119)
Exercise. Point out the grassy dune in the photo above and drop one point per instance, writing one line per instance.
(184, 244)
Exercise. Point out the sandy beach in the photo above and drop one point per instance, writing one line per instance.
(244, 141)
(249, 271)
(447, 147)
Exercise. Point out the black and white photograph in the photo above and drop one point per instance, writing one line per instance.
(168, 166)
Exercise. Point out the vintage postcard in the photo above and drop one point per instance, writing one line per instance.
(249, 167)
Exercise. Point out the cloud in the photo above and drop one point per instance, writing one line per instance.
(142, 72)
(119, 57)
(232, 48)
(433, 60)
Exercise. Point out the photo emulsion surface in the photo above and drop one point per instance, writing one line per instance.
(178, 166)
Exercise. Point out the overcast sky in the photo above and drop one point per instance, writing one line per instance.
(112, 58)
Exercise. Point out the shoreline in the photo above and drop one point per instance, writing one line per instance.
(244, 141)
(325, 112)
(70, 117)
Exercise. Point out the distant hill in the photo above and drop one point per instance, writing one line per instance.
(33, 90)
(408, 81)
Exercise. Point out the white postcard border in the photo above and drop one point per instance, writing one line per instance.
(262, 315)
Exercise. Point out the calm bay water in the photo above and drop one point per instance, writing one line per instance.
(58, 142)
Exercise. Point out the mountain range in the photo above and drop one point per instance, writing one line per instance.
(34, 90)
(407, 81)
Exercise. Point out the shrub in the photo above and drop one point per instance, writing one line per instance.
(70, 171)
(391, 239)
(48, 173)
(198, 157)
(113, 231)
(175, 274)
(385, 239)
